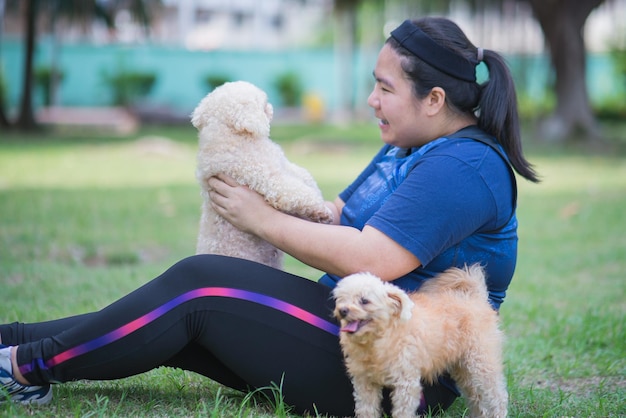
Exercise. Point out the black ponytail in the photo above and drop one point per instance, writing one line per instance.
(498, 115)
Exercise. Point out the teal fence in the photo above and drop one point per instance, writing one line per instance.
(180, 73)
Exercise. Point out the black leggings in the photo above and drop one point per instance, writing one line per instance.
(239, 323)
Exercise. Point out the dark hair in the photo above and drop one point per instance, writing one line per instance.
(494, 101)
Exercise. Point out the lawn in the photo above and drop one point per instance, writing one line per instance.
(85, 218)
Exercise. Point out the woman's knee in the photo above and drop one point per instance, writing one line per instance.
(208, 270)
(191, 270)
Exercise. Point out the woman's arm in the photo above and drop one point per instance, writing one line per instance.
(335, 249)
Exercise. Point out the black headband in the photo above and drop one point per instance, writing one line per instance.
(422, 46)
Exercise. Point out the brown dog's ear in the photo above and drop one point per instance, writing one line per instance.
(401, 300)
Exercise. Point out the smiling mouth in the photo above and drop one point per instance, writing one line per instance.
(353, 326)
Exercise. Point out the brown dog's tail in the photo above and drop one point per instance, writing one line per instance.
(468, 280)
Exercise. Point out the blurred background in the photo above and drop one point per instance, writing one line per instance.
(132, 62)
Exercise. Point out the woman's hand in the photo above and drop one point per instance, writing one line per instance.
(336, 207)
(239, 205)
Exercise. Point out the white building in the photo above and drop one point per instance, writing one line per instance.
(241, 24)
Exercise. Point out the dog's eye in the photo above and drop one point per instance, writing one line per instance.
(364, 301)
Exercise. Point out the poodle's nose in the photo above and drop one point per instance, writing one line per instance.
(343, 312)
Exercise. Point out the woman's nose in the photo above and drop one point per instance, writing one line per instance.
(372, 100)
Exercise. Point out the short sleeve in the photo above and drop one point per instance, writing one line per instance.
(441, 202)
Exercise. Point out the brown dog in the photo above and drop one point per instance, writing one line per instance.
(391, 339)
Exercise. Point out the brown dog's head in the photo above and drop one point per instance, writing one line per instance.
(365, 304)
(240, 105)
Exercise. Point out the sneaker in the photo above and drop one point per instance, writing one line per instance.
(11, 390)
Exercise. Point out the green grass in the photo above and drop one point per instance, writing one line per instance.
(85, 219)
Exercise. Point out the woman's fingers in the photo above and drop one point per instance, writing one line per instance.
(227, 179)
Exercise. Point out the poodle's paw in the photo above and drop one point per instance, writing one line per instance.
(324, 215)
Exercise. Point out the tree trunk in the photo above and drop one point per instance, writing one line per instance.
(562, 22)
(345, 46)
(26, 119)
(4, 120)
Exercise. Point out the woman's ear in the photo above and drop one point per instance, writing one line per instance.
(435, 101)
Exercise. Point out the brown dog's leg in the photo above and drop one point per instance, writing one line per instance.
(367, 398)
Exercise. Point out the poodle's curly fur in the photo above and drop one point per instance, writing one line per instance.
(233, 123)
(397, 340)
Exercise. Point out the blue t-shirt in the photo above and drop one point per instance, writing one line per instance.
(450, 202)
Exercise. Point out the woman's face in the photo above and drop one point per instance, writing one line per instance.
(402, 119)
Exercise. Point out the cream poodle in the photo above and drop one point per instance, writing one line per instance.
(233, 123)
(391, 339)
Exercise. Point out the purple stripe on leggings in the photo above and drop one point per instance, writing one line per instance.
(144, 320)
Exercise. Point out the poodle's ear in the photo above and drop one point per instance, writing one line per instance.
(401, 301)
(199, 117)
(252, 117)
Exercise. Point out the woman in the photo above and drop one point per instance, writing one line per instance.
(441, 192)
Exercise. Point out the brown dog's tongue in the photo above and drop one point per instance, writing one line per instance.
(350, 326)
